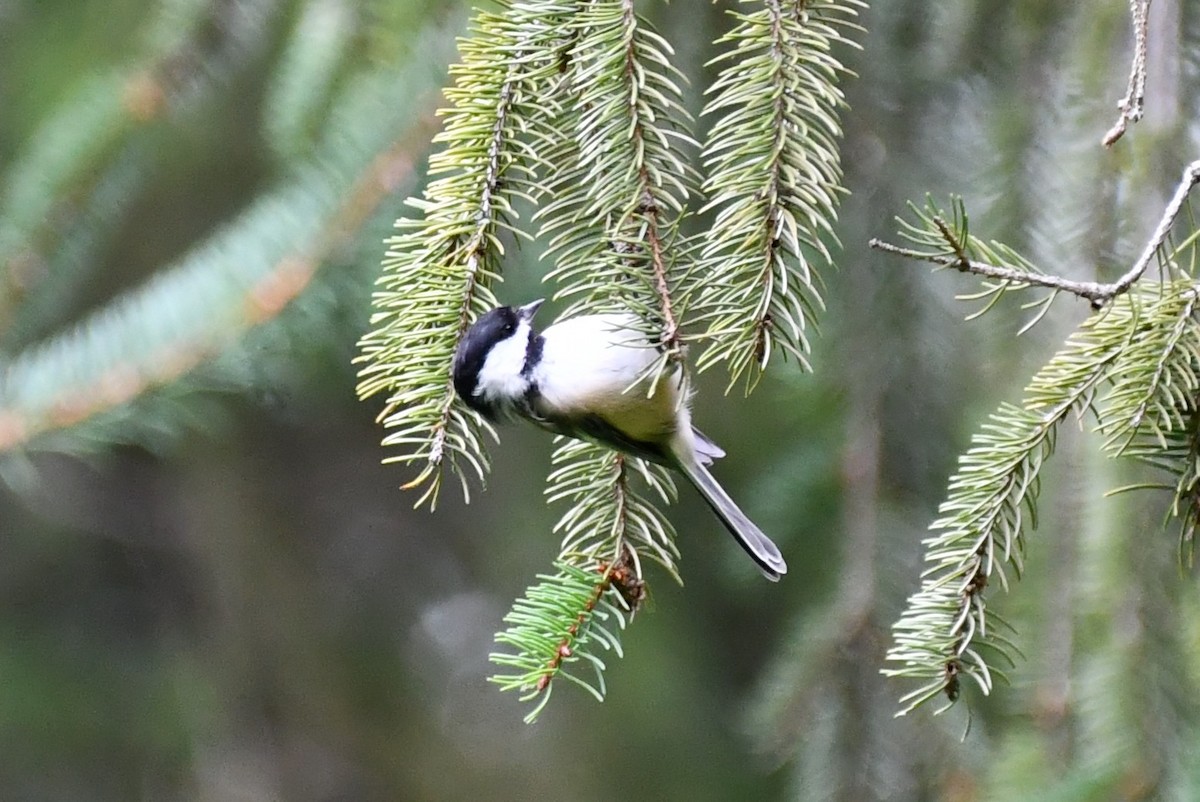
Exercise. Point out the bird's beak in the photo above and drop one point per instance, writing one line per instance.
(527, 311)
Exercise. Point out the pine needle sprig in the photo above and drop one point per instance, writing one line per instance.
(1143, 344)
(1155, 381)
(438, 272)
(611, 226)
(949, 244)
(944, 634)
(560, 624)
(606, 515)
(944, 239)
(1176, 451)
(1152, 412)
(774, 179)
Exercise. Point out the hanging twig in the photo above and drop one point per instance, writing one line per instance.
(1131, 106)
(1097, 293)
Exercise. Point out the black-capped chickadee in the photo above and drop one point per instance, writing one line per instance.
(584, 377)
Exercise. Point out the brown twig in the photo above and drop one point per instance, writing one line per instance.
(1095, 292)
(623, 575)
(649, 206)
(1131, 106)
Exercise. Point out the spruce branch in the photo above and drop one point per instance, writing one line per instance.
(91, 152)
(1152, 413)
(619, 190)
(241, 279)
(617, 203)
(1154, 380)
(46, 277)
(585, 474)
(1142, 342)
(558, 626)
(623, 175)
(80, 383)
(1130, 107)
(633, 130)
(1145, 347)
(577, 109)
(949, 244)
(438, 271)
(774, 179)
(946, 632)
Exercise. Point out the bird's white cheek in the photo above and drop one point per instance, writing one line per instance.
(500, 378)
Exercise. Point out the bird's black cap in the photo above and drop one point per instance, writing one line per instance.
(492, 327)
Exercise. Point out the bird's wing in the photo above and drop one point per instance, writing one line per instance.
(596, 429)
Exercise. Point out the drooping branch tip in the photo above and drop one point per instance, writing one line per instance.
(1130, 107)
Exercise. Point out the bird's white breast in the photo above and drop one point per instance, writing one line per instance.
(590, 366)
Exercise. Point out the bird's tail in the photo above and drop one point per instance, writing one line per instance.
(760, 547)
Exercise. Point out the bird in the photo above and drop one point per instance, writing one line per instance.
(585, 377)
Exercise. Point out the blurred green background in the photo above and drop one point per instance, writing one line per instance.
(211, 589)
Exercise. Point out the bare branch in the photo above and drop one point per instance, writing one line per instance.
(1131, 106)
(1097, 293)
(1191, 176)
(1093, 291)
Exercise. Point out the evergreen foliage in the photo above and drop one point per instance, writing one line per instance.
(192, 197)
(577, 108)
(1132, 366)
(773, 177)
(438, 273)
(559, 624)
(631, 524)
(189, 313)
